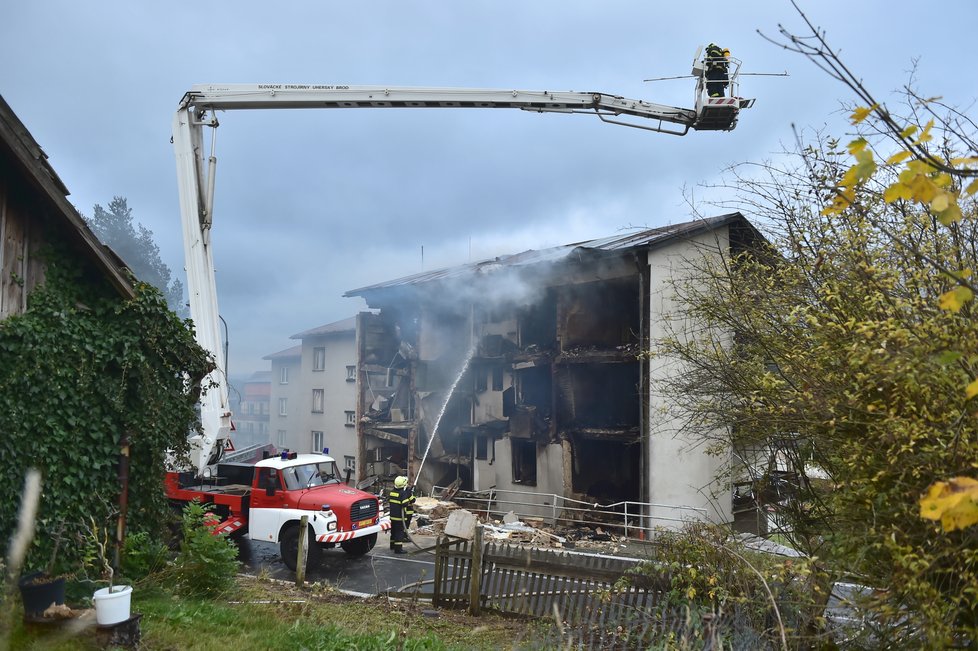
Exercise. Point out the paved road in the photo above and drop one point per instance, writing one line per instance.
(379, 571)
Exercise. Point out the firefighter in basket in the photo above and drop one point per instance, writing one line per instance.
(717, 70)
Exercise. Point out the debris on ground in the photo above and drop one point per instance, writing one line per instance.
(435, 517)
(432, 508)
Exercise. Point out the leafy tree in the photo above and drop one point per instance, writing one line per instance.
(850, 345)
(935, 175)
(836, 348)
(134, 244)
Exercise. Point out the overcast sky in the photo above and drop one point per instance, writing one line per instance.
(310, 204)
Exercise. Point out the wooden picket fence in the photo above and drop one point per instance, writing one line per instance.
(580, 592)
(531, 581)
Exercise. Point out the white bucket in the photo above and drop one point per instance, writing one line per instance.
(112, 607)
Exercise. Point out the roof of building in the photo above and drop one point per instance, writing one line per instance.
(650, 238)
(26, 153)
(259, 377)
(337, 327)
(288, 353)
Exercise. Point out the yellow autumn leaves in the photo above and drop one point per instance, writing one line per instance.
(954, 503)
(928, 182)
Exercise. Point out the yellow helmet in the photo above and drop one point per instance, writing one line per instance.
(400, 482)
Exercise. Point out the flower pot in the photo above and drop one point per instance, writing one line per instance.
(112, 604)
(39, 592)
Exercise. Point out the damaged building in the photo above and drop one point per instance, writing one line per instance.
(526, 373)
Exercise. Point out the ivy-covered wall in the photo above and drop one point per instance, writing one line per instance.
(81, 367)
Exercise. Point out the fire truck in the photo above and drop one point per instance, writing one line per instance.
(267, 499)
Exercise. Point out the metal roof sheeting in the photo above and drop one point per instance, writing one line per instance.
(337, 327)
(620, 242)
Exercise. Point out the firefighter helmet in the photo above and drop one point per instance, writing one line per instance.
(400, 482)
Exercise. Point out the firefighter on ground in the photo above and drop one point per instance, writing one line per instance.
(717, 65)
(401, 501)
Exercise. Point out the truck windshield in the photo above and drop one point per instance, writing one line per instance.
(311, 474)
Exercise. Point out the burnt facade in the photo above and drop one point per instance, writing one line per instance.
(520, 373)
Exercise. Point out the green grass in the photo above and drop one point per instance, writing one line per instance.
(272, 615)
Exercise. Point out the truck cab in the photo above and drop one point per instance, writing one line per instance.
(289, 486)
(279, 492)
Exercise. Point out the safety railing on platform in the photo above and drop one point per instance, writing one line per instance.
(631, 517)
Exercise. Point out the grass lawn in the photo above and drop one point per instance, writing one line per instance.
(264, 614)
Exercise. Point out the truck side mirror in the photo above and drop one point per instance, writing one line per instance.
(271, 482)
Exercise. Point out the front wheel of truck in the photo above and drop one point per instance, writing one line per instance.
(359, 546)
(289, 548)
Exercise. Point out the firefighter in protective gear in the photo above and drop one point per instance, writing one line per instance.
(401, 501)
(717, 65)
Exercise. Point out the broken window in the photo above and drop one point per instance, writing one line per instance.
(538, 323)
(535, 388)
(598, 395)
(497, 378)
(606, 469)
(524, 462)
(482, 447)
(600, 315)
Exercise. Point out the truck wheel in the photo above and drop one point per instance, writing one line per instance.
(359, 546)
(289, 549)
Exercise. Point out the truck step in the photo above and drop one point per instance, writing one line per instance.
(230, 525)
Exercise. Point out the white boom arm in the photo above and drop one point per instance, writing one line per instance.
(195, 177)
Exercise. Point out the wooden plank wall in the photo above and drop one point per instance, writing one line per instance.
(20, 269)
(13, 254)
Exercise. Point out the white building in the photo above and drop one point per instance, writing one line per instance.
(325, 395)
(285, 417)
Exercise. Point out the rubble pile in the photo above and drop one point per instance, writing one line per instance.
(435, 517)
(430, 515)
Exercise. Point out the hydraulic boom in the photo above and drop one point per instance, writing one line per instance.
(196, 174)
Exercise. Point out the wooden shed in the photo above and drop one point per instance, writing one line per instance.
(33, 198)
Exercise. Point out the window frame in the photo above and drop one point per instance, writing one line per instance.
(520, 452)
(319, 396)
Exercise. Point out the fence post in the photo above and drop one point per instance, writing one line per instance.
(302, 555)
(475, 572)
(440, 558)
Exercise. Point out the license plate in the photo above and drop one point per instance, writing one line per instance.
(364, 523)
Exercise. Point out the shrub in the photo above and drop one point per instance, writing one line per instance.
(703, 575)
(207, 563)
(142, 555)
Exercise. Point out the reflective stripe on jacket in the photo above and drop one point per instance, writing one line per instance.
(401, 501)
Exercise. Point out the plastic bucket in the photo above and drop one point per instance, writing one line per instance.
(112, 607)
